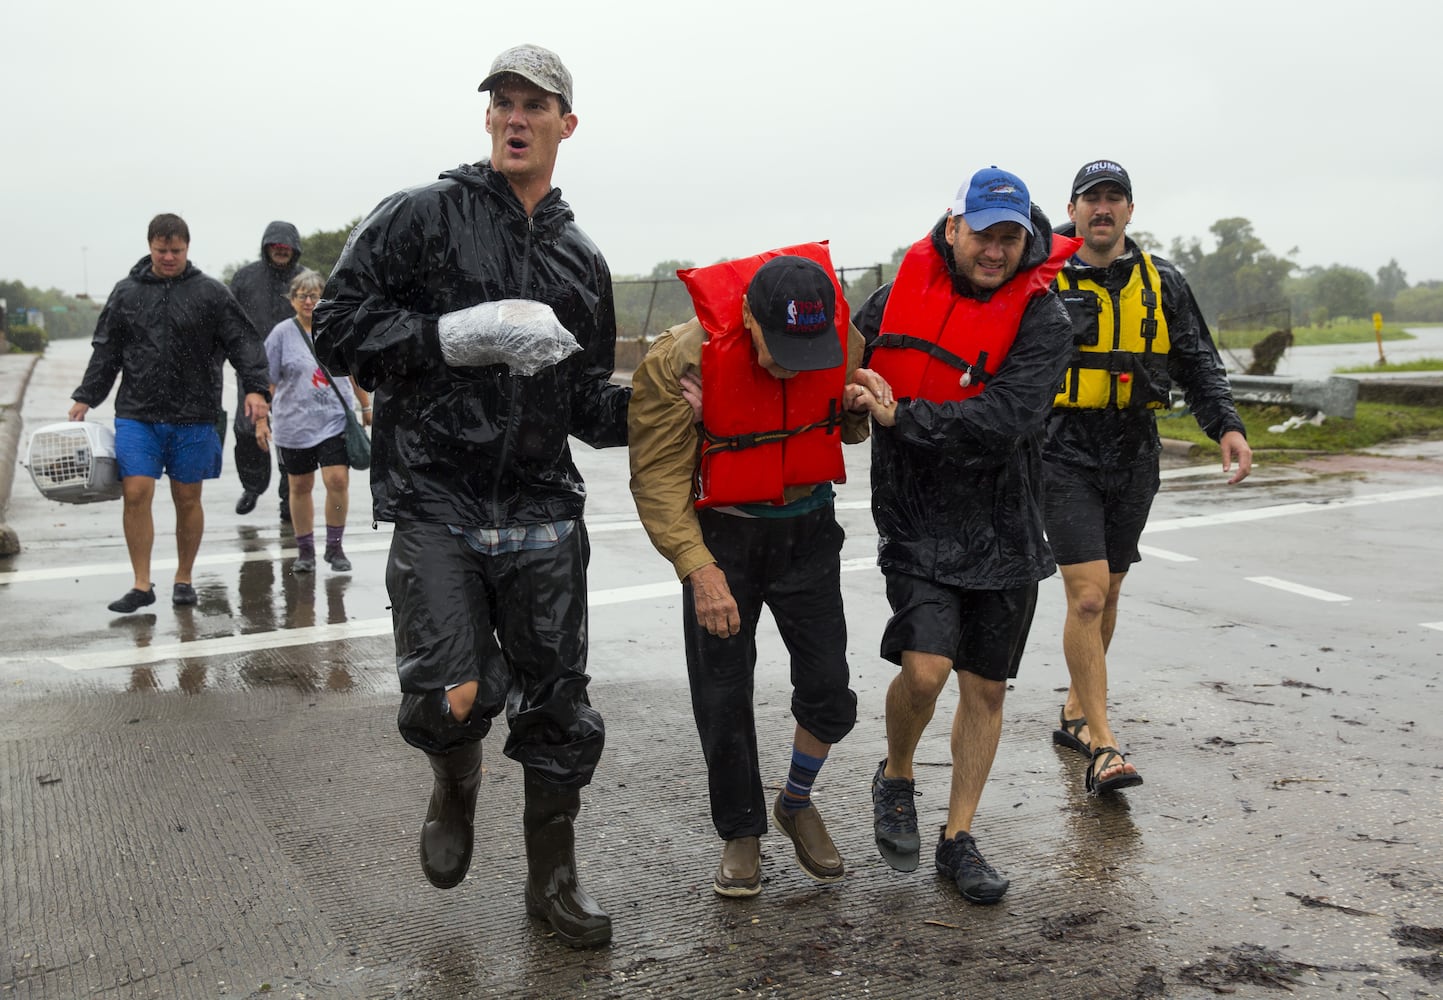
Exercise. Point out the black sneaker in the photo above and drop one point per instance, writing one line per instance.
(959, 860)
(337, 558)
(246, 503)
(304, 564)
(894, 820)
(132, 600)
(182, 594)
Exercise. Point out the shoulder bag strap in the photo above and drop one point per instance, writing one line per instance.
(306, 337)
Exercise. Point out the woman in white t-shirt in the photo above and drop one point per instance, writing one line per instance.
(308, 425)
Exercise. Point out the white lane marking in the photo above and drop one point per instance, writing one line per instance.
(217, 559)
(224, 645)
(1171, 524)
(380, 626)
(620, 595)
(1437, 625)
(1164, 554)
(360, 628)
(1288, 510)
(1297, 588)
(269, 554)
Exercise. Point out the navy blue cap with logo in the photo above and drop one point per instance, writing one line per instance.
(794, 301)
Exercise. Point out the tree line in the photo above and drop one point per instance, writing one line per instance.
(1237, 277)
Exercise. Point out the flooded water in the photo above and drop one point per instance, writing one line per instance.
(1325, 359)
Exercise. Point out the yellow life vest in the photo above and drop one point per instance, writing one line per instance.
(1122, 342)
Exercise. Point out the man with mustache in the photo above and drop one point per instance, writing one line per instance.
(1137, 331)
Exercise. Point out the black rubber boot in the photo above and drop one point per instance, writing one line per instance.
(552, 891)
(447, 834)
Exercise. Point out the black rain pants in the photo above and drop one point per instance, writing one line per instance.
(793, 566)
(514, 622)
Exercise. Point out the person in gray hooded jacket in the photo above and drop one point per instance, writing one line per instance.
(262, 288)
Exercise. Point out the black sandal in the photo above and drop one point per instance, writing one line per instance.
(1067, 733)
(1102, 759)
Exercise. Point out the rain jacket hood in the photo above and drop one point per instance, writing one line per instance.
(472, 446)
(263, 289)
(956, 485)
(284, 234)
(170, 338)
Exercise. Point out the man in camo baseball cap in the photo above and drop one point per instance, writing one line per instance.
(540, 66)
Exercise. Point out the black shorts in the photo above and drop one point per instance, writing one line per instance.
(1097, 514)
(981, 631)
(299, 461)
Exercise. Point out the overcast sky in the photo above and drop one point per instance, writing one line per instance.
(719, 130)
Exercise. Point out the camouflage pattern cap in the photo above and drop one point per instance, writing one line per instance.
(531, 62)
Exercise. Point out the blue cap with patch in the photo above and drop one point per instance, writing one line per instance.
(994, 196)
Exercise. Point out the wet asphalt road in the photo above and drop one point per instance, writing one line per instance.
(213, 801)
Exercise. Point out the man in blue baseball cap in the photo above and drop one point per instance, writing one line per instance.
(973, 342)
(994, 196)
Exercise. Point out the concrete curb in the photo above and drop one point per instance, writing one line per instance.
(1177, 448)
(11, 428)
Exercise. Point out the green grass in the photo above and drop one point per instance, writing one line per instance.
(1416, 365)
(1373, 424)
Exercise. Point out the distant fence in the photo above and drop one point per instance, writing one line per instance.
(647, 306)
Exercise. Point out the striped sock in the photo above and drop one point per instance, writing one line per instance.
(334, 533)
(800, 779)
(306, 546)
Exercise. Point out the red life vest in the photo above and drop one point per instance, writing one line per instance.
(932, 338)
(761, 434)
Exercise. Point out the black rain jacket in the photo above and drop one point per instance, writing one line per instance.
(1115, 438)
(477, 446)
(169, 339)
(264, 290)
(956, 486)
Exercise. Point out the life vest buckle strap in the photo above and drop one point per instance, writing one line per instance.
(902, 340)
(1115, 362)
(740, 442)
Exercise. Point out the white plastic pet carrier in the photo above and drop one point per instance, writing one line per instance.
(75, 462)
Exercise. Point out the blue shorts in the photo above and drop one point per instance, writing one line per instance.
(187, 452)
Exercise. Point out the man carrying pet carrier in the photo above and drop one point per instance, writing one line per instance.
(164, 330)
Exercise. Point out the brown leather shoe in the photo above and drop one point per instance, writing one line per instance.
(815, 851)
(740, 872)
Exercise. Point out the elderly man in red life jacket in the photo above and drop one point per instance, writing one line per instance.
(742, 506)
(973, 343)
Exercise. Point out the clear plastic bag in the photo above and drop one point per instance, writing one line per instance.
(524, 335)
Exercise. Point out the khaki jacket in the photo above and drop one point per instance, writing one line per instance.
(664, 443)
